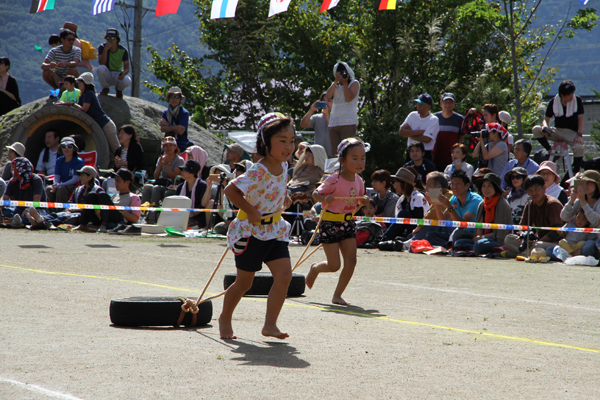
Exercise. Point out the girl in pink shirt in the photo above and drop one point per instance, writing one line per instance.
(337, 232)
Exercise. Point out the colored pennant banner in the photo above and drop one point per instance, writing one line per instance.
(223, 9)
(329, 4)
(41, 5)
(164, 7)
(278, 6)
(101, 6)
(387, 5)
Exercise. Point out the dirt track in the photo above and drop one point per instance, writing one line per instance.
(420, 327)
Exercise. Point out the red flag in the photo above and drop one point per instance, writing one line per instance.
(164, 7)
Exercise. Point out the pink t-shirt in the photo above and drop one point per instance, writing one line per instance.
(342, 188)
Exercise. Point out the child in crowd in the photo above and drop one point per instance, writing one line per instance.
(54, 40)
(259, 234)
(367, 231)
(573, 242)
(338, 229)
(70, 95)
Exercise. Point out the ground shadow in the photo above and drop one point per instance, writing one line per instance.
(349, 310)
(276, 354)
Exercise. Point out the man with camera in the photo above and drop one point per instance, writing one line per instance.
(421, 126)
(567, 110)
(319, 122)
(541, 210)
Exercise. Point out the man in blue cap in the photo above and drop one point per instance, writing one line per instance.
(421, 126)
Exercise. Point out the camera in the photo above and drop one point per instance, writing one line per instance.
(484, 133)
(525, 237)
(547, 130)
(345, 74)
(227, 175)
(321, 104)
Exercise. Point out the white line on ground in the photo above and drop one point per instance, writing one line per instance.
(39, 389)
(486, 295)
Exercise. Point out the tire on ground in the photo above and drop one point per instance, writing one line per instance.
(263, 282)
(155, 311)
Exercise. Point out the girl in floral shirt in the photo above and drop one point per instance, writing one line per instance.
(259, 234)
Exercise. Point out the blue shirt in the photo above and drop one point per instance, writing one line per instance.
(183, 118)
(530, 165)
(470, 206)
(67, 170)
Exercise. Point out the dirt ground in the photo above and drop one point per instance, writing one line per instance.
(420, 327)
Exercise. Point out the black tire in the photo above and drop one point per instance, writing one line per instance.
(263, 282)
(155, 311)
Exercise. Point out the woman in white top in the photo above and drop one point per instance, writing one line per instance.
(344, 112)
(459, 155)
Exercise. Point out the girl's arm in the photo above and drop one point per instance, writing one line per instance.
(477, 149)
(488, 155)
(236, 196)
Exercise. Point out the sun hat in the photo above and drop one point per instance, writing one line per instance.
(68, 141)
(516, 170)
(405, 175)
(88, 169)
(493, 179)
(175, 90)
(549, 166)
(18, 148)
(236, 148)
(505, 117)
(219, 167)
(425, 99)
(592, 176)
(70, 26)
(87, 78)
(246, 164)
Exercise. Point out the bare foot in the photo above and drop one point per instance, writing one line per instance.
(226, 330)
(274, 332)
(340, 301)
(311, 276)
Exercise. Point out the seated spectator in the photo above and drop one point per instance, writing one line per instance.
(477, 176)
(319, 122)
(522, 160)
(114, 64)
(15, 150)
(234, 154)
(411, 204)
(85, 65)
(114, 220)
(541, 210)
(547, 170)
(197, 153)
(62, 60)
(574, 242)
(384, 198)
(517, 197)
(308, 170)
(368, 231)
(130, 155)
(70, 94)
(9, 89)
(494, 209)
(196, 189)
(462, 207)
(168, 166)
(25, 186)
(47, 160)
(416, 152)
(221, 220)
(586, 199)
(459, 157)
(242, 167)
(496, 150)
(175, 119)
(65, 172)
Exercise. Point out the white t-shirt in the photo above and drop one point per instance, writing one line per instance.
(344, 112)
(47, 167)
(430, 124)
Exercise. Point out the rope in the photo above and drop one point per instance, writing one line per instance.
(312, 238)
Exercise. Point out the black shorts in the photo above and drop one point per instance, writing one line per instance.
(250, 253)
(335, 232)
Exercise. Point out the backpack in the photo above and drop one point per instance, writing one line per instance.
(87, 50)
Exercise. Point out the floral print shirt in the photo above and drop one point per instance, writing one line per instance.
(266, 192)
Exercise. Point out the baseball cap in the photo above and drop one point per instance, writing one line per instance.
(447, 96)
(124, 173)
(111, 32)
(425, 99)
(504, 117)
(192, 166)
(236, 148)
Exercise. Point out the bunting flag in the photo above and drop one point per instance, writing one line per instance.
(223, 9)
(278, 6)
(41, 5)
(584, 2)
(329, 4)
(164, 7)
(101, 6)
(387, 5)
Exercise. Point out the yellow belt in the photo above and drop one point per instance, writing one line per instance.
(333, 217)
(242, 216)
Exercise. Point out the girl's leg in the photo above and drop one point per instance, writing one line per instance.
(348, 250)
(331, 264)
(243, 283)
(281, 269)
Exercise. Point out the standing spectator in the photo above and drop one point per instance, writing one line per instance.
(114, 64)
(522, 160)
(567, 111)
(194, 188)
(233, 154)
(85, 65)
(547, 170)
(319, 122)
(15, 150)
(175, 119)
(62, 60)
(505, 118)
(9, 90)
(496, 149)
(385, 199)
(459, 156)
(65, 172)
(421, 126)
(416, 152)
(517, 197)
(130, 155)
(344, 90)
(449, 132)
(47, 158)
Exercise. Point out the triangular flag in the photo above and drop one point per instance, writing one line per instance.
(387, 5)
(278, 6)
(41, 5)
(101, 6)
(584, 2)
(40, 49)
(329, 4)
(164, 7)
(223, 9)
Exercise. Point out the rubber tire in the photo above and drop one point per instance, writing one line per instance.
(155, 311)
(264, 280)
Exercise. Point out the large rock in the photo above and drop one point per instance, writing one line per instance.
(29, 123)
